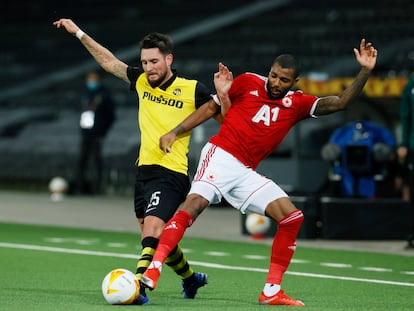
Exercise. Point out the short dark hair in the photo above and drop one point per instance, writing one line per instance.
(157, 40)
(288, 61)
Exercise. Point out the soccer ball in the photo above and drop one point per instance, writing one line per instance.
(257, 224)
(120, 287)
(58, 187)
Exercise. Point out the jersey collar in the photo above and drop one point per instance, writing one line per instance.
(170, 81)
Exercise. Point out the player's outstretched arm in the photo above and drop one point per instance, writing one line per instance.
(366, 56)
(102, 55)
(203, 113)
(223, 80)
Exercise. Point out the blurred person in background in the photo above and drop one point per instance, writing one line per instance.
(97, 117)
(406, 150)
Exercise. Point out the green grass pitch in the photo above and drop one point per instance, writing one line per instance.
(53, 268)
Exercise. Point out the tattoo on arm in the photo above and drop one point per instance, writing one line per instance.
(120, 71)
(351, 92)
(331, 104)
(179, 129)
(105, 58)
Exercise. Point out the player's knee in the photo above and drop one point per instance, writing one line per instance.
(153, 227)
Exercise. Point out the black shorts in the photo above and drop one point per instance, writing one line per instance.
(159, 191)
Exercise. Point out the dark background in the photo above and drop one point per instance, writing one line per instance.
(42, 70)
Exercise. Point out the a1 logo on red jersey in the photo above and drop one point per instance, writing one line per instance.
(266, 114)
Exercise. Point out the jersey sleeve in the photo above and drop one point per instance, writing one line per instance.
(133, 74)
(307, 104)
(237, 86)
(202, 94)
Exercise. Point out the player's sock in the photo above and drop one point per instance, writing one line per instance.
(149, 244)
(178, 262)
(271, 289)
(284, 245)
(172, 234)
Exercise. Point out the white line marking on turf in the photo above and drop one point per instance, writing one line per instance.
(66, 250)
(116, 244)
(346, 278)
(197, 263)
(218, 254)
(255, 257)
(299, 261)
(375, 269)
(55, 240)
(335, 265)
(72, 240)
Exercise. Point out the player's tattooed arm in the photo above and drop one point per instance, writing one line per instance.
(102, 55)
(330, 104)
(366, 56)
(105, 58)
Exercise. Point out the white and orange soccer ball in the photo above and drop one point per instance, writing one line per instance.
(120, 287)
(257, 224)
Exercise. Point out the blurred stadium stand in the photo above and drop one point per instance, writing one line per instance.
(42, 70)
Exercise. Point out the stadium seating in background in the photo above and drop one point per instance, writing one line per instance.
(35, 131)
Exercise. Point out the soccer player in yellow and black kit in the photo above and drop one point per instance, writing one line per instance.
(162, 180)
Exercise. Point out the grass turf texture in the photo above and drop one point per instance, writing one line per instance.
(53, 268)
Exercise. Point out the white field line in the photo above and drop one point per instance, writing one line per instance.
(196, 263)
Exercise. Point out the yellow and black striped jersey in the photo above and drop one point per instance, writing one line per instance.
(161, 109)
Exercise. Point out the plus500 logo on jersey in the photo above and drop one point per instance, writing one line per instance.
(163, 101)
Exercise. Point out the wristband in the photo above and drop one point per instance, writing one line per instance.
(216, 99)
(79, 34)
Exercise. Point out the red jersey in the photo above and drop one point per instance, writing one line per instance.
(256, 124)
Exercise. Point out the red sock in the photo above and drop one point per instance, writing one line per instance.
(284, 245)
(172, 234)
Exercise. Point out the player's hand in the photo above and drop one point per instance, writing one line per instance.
(166, 142)
(68, 24)
(366, 55)
(223, 79)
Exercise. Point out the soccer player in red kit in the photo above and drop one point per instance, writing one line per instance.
(258, 113)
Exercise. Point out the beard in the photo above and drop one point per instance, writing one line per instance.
(272, 95)
(156, 83)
